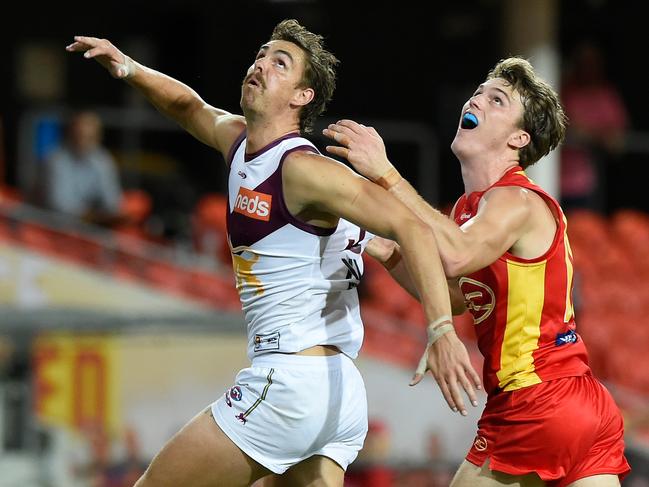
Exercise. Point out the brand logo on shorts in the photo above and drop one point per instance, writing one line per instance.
(235, 393)
(480, 443)
(253, 204)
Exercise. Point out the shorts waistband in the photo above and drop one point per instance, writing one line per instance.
(292, 360)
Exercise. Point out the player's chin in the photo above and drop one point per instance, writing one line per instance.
(248, 96)
(460, 146)
(246, 101)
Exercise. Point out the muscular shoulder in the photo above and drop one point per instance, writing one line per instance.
(511, 199)
(526, 211)
(308, 166)
(317, 182)
(518, 199)
(509, 208)
(510, 192)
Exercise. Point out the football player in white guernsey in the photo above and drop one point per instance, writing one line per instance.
(295, 221)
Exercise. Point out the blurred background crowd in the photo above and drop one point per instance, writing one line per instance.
(115, 275)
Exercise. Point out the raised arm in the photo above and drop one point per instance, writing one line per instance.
(314, 184)
(503, 217)
(212, 126)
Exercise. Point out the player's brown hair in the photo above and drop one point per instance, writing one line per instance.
(543, 115)
(319, 72)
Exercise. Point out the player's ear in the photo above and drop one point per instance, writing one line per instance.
(303, 96)
(519, 139)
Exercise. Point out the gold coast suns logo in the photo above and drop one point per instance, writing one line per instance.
(479, 299)
(480, 443)
(253, 204)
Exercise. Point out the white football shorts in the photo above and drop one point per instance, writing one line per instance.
(286, 408)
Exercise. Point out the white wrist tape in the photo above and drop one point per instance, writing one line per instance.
(439, 321)
(128, 67)
(436, 333)
(441, 326)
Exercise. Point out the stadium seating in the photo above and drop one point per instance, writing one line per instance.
(612, 293)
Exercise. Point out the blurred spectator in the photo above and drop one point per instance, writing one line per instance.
(81, 177)
(598, 121)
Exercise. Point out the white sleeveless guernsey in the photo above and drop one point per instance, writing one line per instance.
(297, 282)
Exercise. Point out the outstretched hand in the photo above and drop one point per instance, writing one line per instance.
(105, 53)
(449, 363)
(362, 146)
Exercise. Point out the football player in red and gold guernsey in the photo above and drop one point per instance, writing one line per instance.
(547, 420)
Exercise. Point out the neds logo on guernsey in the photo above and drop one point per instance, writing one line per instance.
(253, 204)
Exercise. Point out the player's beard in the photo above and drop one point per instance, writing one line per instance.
(251, 105)
(250, 98)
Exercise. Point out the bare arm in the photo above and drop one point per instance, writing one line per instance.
(214, 127)
(387, 253)
(316, 183)
(502, 219)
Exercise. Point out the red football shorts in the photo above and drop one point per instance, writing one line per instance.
(564, 430)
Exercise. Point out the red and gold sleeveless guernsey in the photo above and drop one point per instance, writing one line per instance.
(522, 308)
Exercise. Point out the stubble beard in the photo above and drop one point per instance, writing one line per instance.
(249, 104)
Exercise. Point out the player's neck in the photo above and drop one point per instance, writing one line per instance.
(480, 175)
(260, 133)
